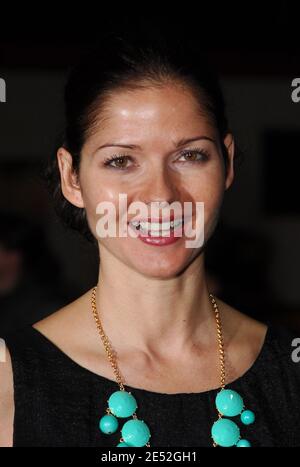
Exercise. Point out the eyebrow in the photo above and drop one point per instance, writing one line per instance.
(178, 144)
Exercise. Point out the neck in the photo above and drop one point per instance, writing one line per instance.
(166, 317)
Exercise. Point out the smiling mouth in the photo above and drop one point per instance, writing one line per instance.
(157, 229)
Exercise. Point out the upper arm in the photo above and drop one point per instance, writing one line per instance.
(6, 401)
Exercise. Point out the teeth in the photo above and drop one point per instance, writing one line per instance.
(156, 228)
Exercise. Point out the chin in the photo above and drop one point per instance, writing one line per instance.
(161, 268)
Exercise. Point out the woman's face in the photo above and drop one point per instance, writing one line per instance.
(153, 120)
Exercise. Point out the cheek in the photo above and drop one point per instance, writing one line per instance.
(97, 186)
(96, 190)
(208, 187)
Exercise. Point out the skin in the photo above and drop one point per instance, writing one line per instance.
(153, 301)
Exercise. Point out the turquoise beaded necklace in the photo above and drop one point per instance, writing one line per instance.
(136, 433)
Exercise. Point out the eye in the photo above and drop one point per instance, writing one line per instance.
(195, 155)
(120, 161)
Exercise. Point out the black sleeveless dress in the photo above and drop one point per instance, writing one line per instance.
(59, 403)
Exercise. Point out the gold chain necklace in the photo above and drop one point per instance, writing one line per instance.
(230, 405)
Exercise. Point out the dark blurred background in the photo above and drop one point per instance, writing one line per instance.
(253, 259)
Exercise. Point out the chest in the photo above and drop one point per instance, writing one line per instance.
(171, 378)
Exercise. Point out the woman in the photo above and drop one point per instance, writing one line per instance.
(150, 124)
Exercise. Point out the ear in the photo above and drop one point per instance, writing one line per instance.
(229, 144)
(69, 178)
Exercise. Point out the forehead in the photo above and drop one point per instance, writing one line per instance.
(167, 111)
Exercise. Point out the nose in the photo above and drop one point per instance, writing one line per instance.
(160, 189)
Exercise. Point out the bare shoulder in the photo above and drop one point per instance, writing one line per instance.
(6, 401)
(240, 325)
(72, 330)
(66, 323)
(244, 338)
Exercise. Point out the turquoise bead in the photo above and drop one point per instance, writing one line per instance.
(229, 403)
(122, 445)
(247, 417)
(122, 404)
(135, 433)
(225, 432)
(243, 443)
(108, 424)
